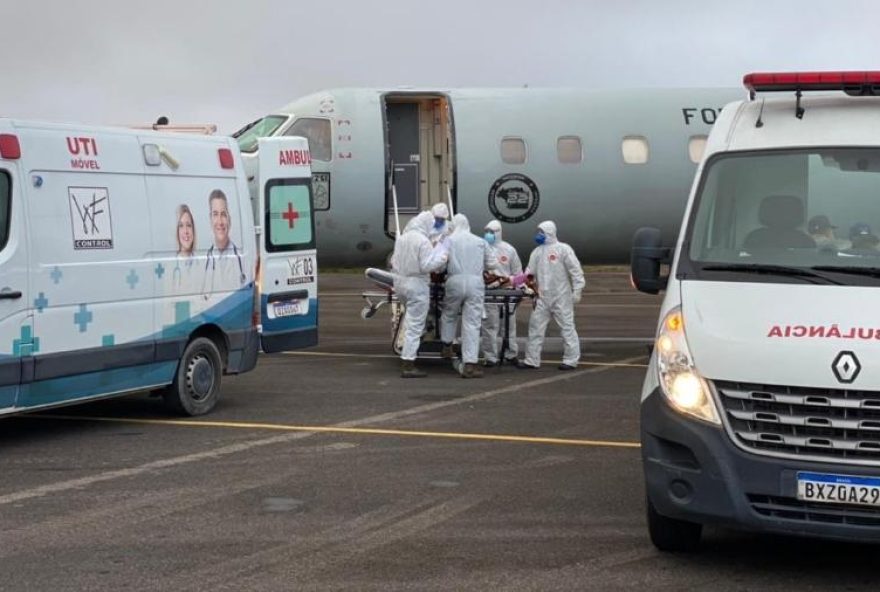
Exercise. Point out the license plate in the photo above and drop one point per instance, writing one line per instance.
(290, 308)
(838, 489)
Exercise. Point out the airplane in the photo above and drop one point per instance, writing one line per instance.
(600, 163)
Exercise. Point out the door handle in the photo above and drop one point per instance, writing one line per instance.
(10, 295)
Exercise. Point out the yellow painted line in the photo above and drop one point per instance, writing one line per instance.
(390, 356)
(341, 430)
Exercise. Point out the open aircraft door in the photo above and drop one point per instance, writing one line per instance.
(288, 274)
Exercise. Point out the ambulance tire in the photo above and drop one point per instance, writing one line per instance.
(196, 386)
(671, 535)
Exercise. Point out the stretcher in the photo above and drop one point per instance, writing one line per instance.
(505, 298)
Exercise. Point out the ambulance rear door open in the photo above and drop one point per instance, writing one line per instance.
(288, 277)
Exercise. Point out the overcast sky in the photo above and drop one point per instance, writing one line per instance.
(123, 62)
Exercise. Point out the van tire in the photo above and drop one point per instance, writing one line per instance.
(671, 535)
(196, 386)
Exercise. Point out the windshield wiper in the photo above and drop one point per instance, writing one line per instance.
(246, 128)
(873, 272)
(781, 270)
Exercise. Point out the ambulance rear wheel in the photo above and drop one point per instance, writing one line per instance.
(196, 385)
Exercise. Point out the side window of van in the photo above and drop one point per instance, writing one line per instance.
(5, 208)
(318, 133)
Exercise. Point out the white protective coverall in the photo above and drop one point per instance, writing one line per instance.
(508, 264)
(469, 255)
(560, 282)
(413, 261)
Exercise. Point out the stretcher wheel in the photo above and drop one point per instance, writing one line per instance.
(367, 312)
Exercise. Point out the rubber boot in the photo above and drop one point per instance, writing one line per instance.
(408, 370)
(448, 352)
(471, 371)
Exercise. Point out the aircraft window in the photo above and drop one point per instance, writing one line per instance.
(696, 148)
(318, 133)
(4, 209)
(248, 135)
(513, 151)
(569, 149)
(635, 150)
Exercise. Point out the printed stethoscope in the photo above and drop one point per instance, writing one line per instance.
(177, 275)
(212, 261)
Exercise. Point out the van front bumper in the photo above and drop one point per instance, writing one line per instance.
(694, 471)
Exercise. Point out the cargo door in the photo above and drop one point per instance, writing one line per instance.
(288, 278)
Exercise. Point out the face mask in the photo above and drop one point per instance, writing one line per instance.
(540, 238)
(490, 237)
(438, 223)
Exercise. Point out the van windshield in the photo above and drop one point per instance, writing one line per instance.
(248, 136)
(779, 211)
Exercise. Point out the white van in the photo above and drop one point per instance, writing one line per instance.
(129, 261)
(761, 405)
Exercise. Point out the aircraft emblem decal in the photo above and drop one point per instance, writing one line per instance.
(513, 198)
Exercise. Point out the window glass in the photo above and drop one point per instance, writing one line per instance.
(696, 148)
(790, 208)
(5, 208)
(569, 150)
(248, 135)
(635, 150)
(318, 133)
(289, 215)
(513, 151)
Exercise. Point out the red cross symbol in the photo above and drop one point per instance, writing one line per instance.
(290, 215)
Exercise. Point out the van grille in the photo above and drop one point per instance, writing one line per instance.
(820, 424)
(788, 508)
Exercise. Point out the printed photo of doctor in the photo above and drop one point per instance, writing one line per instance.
(182, 275)
(224, 268)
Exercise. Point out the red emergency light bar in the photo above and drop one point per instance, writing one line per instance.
(854, 83)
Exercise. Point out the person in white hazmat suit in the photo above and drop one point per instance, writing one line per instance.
(441, 222)
(509, 265)
(560, 282)
(469, 256)
(412, 263)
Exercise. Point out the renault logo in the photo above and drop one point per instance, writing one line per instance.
(846, 367)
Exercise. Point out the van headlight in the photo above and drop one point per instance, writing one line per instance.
(684, 388)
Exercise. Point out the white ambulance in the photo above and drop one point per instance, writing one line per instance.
(129, 261)
(761, 405)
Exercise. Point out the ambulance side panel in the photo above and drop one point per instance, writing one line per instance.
(16, 324)
(110, 297)
(201, 287)
(91, 268)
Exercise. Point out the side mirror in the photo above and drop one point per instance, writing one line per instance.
(646, 258)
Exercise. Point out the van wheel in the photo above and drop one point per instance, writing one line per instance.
(669, 534)
(196, 385)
